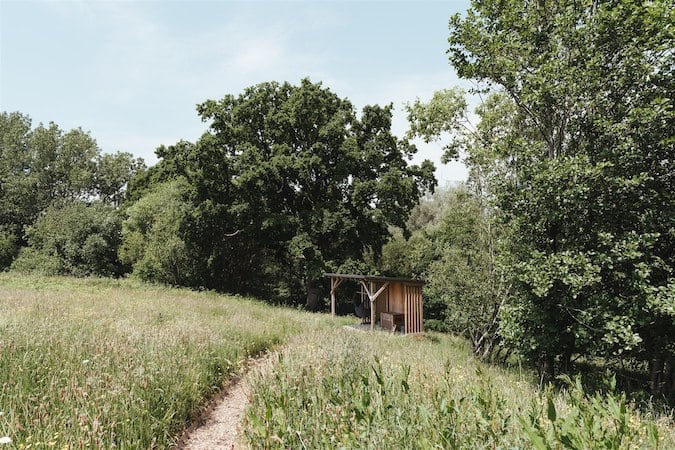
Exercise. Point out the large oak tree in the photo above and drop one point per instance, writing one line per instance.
(289, 182)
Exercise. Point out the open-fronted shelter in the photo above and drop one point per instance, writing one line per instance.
(395, 301)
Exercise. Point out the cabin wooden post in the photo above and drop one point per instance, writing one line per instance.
(406, 309)
(334, 284)
(372, 297)
(332, 297)
(373, 304)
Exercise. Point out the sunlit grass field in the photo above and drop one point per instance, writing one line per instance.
(346, 389)
(118, 364)
(103, 363)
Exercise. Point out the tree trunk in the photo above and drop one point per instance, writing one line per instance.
(566, 361)
(505, 357)
(547, 368)
(313, 298)
(668, 378)
(656, 374)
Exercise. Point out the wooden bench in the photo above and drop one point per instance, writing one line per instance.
(391, 320)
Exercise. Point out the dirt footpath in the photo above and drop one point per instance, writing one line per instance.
(220, 425)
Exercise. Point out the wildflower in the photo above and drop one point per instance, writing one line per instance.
(5, 440)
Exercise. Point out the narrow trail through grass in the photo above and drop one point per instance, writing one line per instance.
(220, 425)
(115, 363)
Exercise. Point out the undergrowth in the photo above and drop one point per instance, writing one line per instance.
(373, 391)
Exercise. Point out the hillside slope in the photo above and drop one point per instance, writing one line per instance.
(103, 363)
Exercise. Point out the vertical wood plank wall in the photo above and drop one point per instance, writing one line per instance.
(413, 309)
(396, 298)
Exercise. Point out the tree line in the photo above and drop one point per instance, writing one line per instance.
(47, 175)
(287, 182)
(559, 247)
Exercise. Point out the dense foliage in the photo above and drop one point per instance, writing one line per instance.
(289, 182)
(76, 239)
(453, 246)
(587, 180)
(43, 169)
(152, 242)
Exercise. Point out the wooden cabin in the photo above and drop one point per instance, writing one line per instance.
(395, 302)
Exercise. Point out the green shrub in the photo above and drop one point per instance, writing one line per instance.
(31, 260)
(368, 395)
(77, 239)
(600, 421)
(152, 241)
(9, 247)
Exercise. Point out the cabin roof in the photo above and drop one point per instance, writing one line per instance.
(350, 276)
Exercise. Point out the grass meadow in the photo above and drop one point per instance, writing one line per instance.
(103, 363)
(348, 390)
(119, 364)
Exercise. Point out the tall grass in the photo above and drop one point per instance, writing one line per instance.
(103, 363)
(373, 391)
(118, 364)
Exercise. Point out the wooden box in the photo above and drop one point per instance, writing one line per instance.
(391, 320)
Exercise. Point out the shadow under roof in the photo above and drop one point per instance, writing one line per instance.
(351, 276)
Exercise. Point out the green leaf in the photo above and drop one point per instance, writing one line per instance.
(551, 414)
(535, 439)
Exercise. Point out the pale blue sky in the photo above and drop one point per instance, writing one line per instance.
(131, 73)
